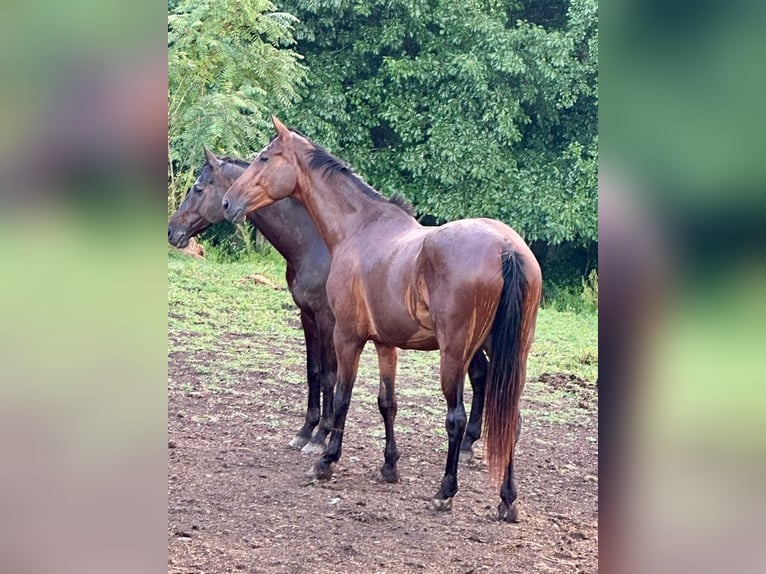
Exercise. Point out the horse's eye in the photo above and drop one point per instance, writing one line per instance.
(198, 190)
(264, 157)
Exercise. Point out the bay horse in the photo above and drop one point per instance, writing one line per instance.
(466, 286)
(289, 228)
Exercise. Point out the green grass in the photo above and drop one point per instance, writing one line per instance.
(565, 342)
(204, 296)
(226, 326)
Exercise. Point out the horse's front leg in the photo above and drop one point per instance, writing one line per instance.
(311, 336)
(328, 371)
(347, 351)
(387, 358)
(452, 375)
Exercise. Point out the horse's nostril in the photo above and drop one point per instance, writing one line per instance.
(169, 233)
(226, 204)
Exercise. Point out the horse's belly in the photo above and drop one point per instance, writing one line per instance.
(421, 341)
(405, 336)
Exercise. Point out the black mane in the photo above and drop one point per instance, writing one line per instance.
(321, 159)
(205, 173)
(235, 161)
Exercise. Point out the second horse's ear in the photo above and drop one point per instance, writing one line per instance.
(210, 158)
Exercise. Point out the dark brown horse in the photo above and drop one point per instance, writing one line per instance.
(288, 227)
(459, 288)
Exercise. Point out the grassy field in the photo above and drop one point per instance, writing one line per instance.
(217, 309)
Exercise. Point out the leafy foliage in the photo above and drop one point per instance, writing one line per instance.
(470, 108)
(229, 65)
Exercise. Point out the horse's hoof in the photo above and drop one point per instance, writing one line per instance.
(389, 474)
(441, 504)
(321, 471)
(466, 456)
(313, 448)
(506, 514)
(298, 442)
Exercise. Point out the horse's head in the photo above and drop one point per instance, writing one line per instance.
(201, 207)
(273, 175)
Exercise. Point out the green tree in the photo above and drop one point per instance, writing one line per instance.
(229, 65)
(470, 108)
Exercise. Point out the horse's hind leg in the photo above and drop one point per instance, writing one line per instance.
(387, 357)
(507, 510)
(311, 337)
(452, 375)
(328, 371)
(477, 374)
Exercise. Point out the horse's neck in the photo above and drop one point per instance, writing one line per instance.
(339, 209)
(288, 227)
(286, 224)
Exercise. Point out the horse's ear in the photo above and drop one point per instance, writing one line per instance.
(282, 130)
(211, 159)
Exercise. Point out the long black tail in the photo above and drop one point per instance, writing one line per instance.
(507, 368)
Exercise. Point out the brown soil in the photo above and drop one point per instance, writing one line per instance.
(239, 501)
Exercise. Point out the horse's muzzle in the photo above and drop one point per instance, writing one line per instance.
(235, 214)
(178, 237)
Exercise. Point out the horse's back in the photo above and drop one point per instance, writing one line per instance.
(394, 287)
(464, 243)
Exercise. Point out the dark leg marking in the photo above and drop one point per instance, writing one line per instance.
(452, 377)
(311, 336)
(328, 371)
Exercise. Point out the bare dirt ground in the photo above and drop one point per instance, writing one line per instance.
(239, 501)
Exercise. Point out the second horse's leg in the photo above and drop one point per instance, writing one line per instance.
(328, 372)
(311, 337)
(477, 374)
